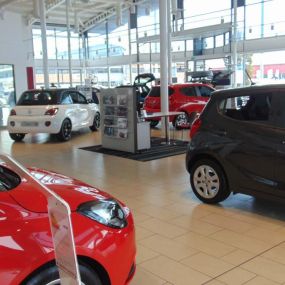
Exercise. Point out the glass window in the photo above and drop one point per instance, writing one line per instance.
(155, 91)
(247, 108)
(188, 91)
(78, 98)
(66, 99)
(36, 97)
(205, 91)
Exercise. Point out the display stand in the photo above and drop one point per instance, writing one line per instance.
(120, 124)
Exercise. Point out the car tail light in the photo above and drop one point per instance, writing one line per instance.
(13, 112)
(51, 112)
(195, 127)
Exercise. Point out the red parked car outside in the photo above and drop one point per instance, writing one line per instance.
(179, 94)
(103, 231)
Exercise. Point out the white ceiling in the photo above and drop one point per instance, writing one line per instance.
(85, 13)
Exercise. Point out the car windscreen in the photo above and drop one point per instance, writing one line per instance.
(8, 179)
(38, 97)
(155, 91)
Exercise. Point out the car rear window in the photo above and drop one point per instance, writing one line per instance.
(8, 179)
(38, 97)
(155, 91)
(255, 107)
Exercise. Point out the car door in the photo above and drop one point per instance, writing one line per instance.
(86, 113)
(69, 107)
(183, 95)
(279, 120)
(247, 128)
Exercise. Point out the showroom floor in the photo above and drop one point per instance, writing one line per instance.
(180, 241)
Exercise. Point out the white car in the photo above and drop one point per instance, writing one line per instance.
(53, 111)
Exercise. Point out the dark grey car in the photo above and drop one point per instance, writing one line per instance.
(238, 144)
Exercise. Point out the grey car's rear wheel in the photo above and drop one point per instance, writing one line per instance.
(208, 181)
(17, 137)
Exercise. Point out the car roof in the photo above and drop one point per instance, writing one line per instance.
(177, 85)
(244, 90)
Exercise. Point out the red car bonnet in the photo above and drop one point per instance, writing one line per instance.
(74, 192)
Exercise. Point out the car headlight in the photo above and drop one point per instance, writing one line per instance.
(107, 212)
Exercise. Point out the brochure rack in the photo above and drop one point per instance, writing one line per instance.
(119, 120)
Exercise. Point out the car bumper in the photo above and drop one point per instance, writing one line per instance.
(34, 124)
(113, 249)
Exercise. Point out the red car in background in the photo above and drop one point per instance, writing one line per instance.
(197, 94)
(103, 231)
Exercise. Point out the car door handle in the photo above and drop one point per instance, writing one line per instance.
(221, 132)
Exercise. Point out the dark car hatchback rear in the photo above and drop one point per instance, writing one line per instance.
(238, 145)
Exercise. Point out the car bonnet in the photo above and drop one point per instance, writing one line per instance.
(73, 191)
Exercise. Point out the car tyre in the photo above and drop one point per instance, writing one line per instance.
(96, 123)
(208, 181)
(65, 130)
(181, 121)
(17, 137)
(153, 124)
(50, 276)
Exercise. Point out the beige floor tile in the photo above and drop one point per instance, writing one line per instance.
(144, 254)
(260, 281)
(195, 225)
(144, 277)
(237, 276)
(207, 264)
(215, 282)
(266, 235)
(159, 212)
(163, 228)
(190, 209)
(238, 257)
(205, 244)
(174, 272)
(227, 223)
(241, 241)
(142, 233)
(276, 254)
(168, 247)
(139, 217)
(266, 268)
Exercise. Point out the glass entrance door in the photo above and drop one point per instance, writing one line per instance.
(7, 92)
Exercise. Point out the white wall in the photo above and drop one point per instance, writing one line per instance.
(16, 47)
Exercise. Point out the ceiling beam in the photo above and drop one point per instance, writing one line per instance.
(90, 23)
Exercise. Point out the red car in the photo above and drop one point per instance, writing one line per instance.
(103, 231)
(179, 94)
(190, 113)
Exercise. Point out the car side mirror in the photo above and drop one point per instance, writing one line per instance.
(90, 101)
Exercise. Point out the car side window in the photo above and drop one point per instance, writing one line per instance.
(66, 99)
(77, 98)
(188, 91)
(205, 91)
(256, 107)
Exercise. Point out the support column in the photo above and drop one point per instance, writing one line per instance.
(68, 40)
(108, 54)
(164, 62)
(130, 49)
(169, 42)
(234, 46)
(42, 9)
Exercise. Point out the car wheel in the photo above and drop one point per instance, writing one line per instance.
(65, 130)
(153, 124)
(96, 123)
(181, 121)
(50, 276)
(208, 181)
(16, 137)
